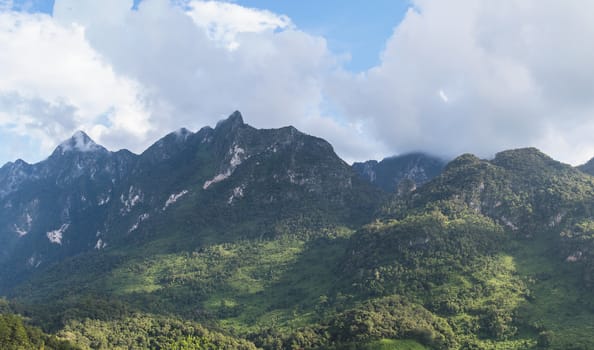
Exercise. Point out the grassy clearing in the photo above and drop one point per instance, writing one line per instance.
(244, 285)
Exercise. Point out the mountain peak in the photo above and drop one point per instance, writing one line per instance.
(529, 158)
(464, 160)
(79, 142)
(522, 152)
(233, 121)
(180, 134)
(236, 118)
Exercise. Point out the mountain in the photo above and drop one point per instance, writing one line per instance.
(242, 238)
(44, 203)
(500, 246)
(84, 198)
(408, 170)
(588, 167)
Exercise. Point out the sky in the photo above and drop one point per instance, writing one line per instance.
(375, 79)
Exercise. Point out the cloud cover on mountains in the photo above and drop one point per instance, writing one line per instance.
(461, 76)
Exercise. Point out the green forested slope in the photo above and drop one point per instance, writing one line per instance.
(488, 255)
(16, 334)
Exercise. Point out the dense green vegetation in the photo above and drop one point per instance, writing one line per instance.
(140, 331)
(489, 255)
(15, 334)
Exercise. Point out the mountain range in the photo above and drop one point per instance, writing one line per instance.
(241, 238)
(84, 197)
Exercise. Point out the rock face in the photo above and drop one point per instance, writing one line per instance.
(55, 208)
(84, 198)
(415, 168)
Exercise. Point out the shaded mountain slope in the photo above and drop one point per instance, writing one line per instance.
(266, 239)
(587, 167)
(84, 198)
(392, 172)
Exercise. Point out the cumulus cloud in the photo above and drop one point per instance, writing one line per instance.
(224, 21)
(462, 76)
(481, 76)
(127, 75)
(53, 82)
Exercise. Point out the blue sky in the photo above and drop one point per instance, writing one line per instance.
(45, 6)
(357, 28)
(447, 78)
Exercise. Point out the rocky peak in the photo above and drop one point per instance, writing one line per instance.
(175, 137)
(231, 124)
(235, 118)
(13, 166)
(20, 163)
(182, 134)
(169, 146)
(12, 175)
(79, 142)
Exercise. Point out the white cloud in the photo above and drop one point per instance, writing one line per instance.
(224, 21)
(443, 96)
(53, 82)
(516, 73)
(128, 76)
(192, 78)
(351, 141)
(463, 76)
